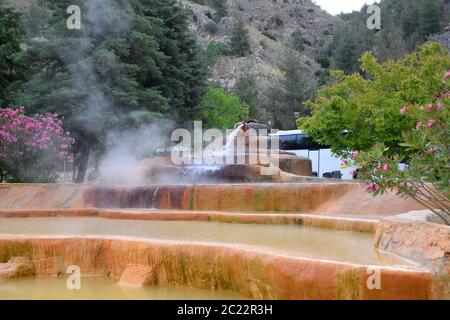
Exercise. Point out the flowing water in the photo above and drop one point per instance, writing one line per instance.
(53, 288)
(229, 147)
(344, 246)
(154, 204)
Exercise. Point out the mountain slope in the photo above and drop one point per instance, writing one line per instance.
(271, 24)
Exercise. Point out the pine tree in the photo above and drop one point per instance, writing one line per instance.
(297, 42)
(346, 53)
(247, 89)
(240, 38)
(405, 25)
(221, 7)
(130, 64)
(430, 17)
(11, 33)
(287, 96)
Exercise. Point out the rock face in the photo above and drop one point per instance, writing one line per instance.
(16, 267)
(255, 274)
(429, 246)
(270, 24)
(299, 166)
(443, 38)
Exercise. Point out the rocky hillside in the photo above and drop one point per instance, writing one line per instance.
(271, 23)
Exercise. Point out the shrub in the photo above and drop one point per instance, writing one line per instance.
(31, 146)
(270, 35)
(426, 153)
(211, 27)
(214, 50)
(367, 107)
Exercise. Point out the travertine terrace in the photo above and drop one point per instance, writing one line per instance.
(250, 270)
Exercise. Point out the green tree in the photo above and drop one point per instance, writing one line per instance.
(11, 34)
(406, 24)
(426, 151)
(366, 109)
(131, 63)
(214, 50)
(221, 7)
(222, 110)
(287, 96)
(297, 42)
(240, 39)
(430, 18)
(247, 89)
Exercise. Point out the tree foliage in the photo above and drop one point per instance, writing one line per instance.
(425, 149)
(288, 96)
(214, 50)
(222, 110)
(247, 89)
(367, 108)
(31, 147)
(221, 7)
(240, 39)
(11, 34)
(131, 63)
(405, 25)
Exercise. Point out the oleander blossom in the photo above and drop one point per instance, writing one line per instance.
(20, 134)
(431, 123)
(373, 187)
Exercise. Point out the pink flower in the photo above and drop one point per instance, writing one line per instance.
(440, 106)
(386, 167)
(431, 123)
(403, 110)
(432, 151)
(356, 154)
(430, 106)
(373, 186)
(447, 75)
(419, 125)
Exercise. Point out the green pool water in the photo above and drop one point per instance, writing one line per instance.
(295, 240)
(53, 288)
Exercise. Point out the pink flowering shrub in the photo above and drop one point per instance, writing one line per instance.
(31, 147)
(425, 175)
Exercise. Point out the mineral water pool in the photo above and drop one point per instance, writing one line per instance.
(55, 288)
(294, 240)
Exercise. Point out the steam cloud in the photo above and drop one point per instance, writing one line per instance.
(120, 165)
